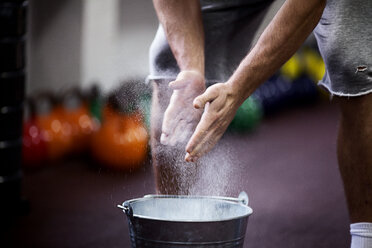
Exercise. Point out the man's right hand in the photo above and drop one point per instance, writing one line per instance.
(181, 118)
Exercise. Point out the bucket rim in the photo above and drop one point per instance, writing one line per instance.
(124, 207)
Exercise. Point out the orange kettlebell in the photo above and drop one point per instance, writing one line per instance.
(76, 112)
(122, 141)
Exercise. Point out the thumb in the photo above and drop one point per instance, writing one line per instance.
(178, 84)
(208, 96)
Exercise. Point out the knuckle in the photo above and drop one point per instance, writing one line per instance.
(212, 90)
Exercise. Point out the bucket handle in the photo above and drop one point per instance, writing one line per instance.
(242, 198)
(127, 209)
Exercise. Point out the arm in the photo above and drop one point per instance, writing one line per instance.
(280, 40)
(182, 24)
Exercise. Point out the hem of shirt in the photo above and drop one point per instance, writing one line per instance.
(209, 82)
(342, 94)
(152, 77)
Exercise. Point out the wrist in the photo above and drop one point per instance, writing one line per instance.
(192, 61)
(245, 81)
(197, 72)
(237, 92)
(197, 75)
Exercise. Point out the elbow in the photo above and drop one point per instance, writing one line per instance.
(315, 10)
(320, 5)
(318, 12)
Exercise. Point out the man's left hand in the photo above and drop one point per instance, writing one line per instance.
(220, 104)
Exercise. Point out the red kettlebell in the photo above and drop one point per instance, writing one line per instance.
(34, 147)
(57, 131)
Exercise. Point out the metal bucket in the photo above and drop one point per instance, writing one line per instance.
(163, 221)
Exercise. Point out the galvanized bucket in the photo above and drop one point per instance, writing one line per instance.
(163, 221)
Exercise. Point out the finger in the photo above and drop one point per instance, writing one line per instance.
(200, 130)
(164, 139)
(177, 134)
(170, 119)
(178, 84)
(202, 146)
(167, 130)
(189, 158)
(218, 103)
(208, 96)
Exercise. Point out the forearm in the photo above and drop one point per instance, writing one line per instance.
(280, 40)
(182, 23)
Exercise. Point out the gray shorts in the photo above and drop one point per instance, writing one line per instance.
(344, 37)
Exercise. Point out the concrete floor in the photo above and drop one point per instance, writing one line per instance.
(288, 167)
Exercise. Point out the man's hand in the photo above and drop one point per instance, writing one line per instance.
(181, 118)
(220, 103)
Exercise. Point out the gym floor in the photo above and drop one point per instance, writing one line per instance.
(290, 175)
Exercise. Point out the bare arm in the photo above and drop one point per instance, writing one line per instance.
(183, 27)
(280, 40)
(182, 23)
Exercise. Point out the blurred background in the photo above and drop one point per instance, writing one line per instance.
(74, 136)
(76, 43)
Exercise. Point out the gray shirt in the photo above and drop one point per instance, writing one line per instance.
(229, 27)
(344, 36)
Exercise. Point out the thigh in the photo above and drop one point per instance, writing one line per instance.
(357, 110)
